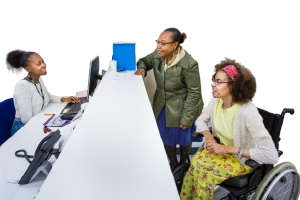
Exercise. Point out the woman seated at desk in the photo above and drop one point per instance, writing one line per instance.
(30, 94)
(177, 102)
(239, 126)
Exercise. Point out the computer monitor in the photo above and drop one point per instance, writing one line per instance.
(93, 76)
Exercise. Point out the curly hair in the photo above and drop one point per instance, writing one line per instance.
(243, 87)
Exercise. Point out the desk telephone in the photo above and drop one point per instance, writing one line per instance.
(40, 162)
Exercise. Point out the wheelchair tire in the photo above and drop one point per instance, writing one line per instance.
(282, 182)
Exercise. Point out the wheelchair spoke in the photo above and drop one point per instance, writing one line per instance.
(284, 188)
(281, 183)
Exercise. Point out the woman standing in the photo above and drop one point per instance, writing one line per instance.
(30, 94)
(237, 123)
(177, 101)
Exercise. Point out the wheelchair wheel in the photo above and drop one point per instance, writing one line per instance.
(281, 183)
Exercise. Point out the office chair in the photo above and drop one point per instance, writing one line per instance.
(266, 182)
(7, 116)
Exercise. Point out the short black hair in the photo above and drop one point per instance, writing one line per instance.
(17, 59)
(177, 35)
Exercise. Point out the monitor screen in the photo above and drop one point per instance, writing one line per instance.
(93, 76)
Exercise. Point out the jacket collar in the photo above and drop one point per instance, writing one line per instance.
(184, 62)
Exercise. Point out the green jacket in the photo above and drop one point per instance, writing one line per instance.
(178, 89)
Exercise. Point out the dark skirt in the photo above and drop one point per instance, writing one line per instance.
(175, 135)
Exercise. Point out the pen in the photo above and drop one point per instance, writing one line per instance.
(48, 114)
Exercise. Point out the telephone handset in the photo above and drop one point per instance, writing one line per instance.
(42, 153)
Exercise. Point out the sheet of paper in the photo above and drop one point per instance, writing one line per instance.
(66, 132)
(56, 121)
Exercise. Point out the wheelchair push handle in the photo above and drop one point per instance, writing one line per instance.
(287, 110)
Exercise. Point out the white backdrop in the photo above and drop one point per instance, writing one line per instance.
(262, 35)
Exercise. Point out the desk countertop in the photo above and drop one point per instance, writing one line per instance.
(28, 138)
(115, 152)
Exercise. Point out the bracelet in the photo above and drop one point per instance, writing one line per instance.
(241, 153)
(237, 152)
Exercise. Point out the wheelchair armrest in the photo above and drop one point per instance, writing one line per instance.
(279, 153)
(196, 134)
(252, 163)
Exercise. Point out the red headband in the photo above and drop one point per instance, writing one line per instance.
(230, 70)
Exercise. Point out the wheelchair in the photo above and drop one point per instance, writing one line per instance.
(266, 182)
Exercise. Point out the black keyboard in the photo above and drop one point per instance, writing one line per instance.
(77, 106)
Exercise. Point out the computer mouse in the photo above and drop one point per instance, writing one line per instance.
(67, 117)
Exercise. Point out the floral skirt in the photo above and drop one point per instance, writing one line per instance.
(206, 171)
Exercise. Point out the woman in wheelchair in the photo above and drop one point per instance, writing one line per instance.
(238, 125)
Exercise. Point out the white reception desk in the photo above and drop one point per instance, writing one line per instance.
(115, 151)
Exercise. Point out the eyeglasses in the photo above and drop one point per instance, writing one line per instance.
(163, 43)
(218, 82)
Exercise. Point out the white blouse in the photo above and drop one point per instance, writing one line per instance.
(28, 101)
